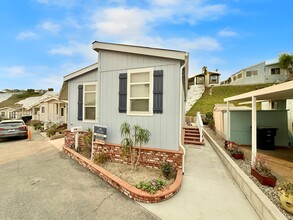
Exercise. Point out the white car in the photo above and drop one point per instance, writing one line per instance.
(13, 128)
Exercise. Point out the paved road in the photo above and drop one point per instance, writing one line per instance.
(39, 182)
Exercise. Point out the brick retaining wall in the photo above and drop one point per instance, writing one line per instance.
(150, 157)
(124, 187)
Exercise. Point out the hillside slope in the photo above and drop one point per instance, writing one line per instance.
(10, 102)
(216, 94)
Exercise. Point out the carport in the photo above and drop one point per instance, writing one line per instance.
(277, 92)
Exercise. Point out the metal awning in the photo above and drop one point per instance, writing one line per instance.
(280, 91)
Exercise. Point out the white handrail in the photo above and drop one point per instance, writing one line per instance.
(199, 124)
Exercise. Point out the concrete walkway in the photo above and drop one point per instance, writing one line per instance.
(208, 190)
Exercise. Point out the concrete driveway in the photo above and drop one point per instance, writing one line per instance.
(39, 182)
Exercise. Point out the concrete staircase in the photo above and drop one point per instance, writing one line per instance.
(192, 136)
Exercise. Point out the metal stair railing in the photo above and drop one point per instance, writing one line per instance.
(199, 124)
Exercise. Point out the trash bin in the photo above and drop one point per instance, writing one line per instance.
(26, 119)
(266, 138)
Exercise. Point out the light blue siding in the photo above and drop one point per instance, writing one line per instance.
(91, 76)
(264, 75)
(241, 125)
(163, 127)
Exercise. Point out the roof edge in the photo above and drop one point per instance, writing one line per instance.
(157, 52)
(81, 71)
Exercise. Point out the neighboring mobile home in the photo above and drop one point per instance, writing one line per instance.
(52, 110)
(139, 85)
(46, 108)
(264, 72)
(8, 112)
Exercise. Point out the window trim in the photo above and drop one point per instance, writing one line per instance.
(200, 80)
(96, 103)
(151, 95)
(252, 73)
(216, 81)
(275, 68)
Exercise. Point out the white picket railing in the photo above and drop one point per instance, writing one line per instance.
(199, 124)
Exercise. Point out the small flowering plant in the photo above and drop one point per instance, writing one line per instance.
(232, 146)
(235, 150)
(286, 188)
(261, 166)
(151, 186)
(286, 196)
(229, 144)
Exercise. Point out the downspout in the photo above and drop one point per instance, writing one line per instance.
(180, 116)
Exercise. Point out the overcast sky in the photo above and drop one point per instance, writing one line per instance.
(43, 40)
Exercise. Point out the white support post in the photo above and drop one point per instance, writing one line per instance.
(228, 135)
(59, 113)
(253, 131)
(76, 140)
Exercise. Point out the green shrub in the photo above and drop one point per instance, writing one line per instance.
(151, 186)
(167, 170)
(87, 138)
(209, 119)
(37, 124)
(52, 130)
(100, 158)
(55, 128)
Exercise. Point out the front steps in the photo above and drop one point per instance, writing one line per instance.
(191, 136)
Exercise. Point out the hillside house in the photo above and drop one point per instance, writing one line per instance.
(264, 72)
(207, 78)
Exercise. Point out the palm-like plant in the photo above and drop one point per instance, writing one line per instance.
(127, 142)
(141, 136)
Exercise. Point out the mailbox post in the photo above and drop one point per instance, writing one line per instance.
(75, 130)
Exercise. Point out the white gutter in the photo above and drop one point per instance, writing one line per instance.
(180, 117)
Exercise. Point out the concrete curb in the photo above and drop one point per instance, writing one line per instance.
(259, 201)
(124, 187)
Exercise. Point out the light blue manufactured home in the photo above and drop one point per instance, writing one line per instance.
(139, 85)
(263, 72)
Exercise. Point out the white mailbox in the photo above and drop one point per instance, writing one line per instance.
(75, 129)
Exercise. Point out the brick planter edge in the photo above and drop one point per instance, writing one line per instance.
(124, 187)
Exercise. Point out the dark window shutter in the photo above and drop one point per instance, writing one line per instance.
(122, 92)
(79, 102)
(158, 91)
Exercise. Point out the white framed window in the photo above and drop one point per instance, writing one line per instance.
(239, 76)
(12, 115)
(3, 114)
(43, 109)
(140, 92)
(275, 71)
(251, 73)
(90, 101)
(200, 80)
(213, 79)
